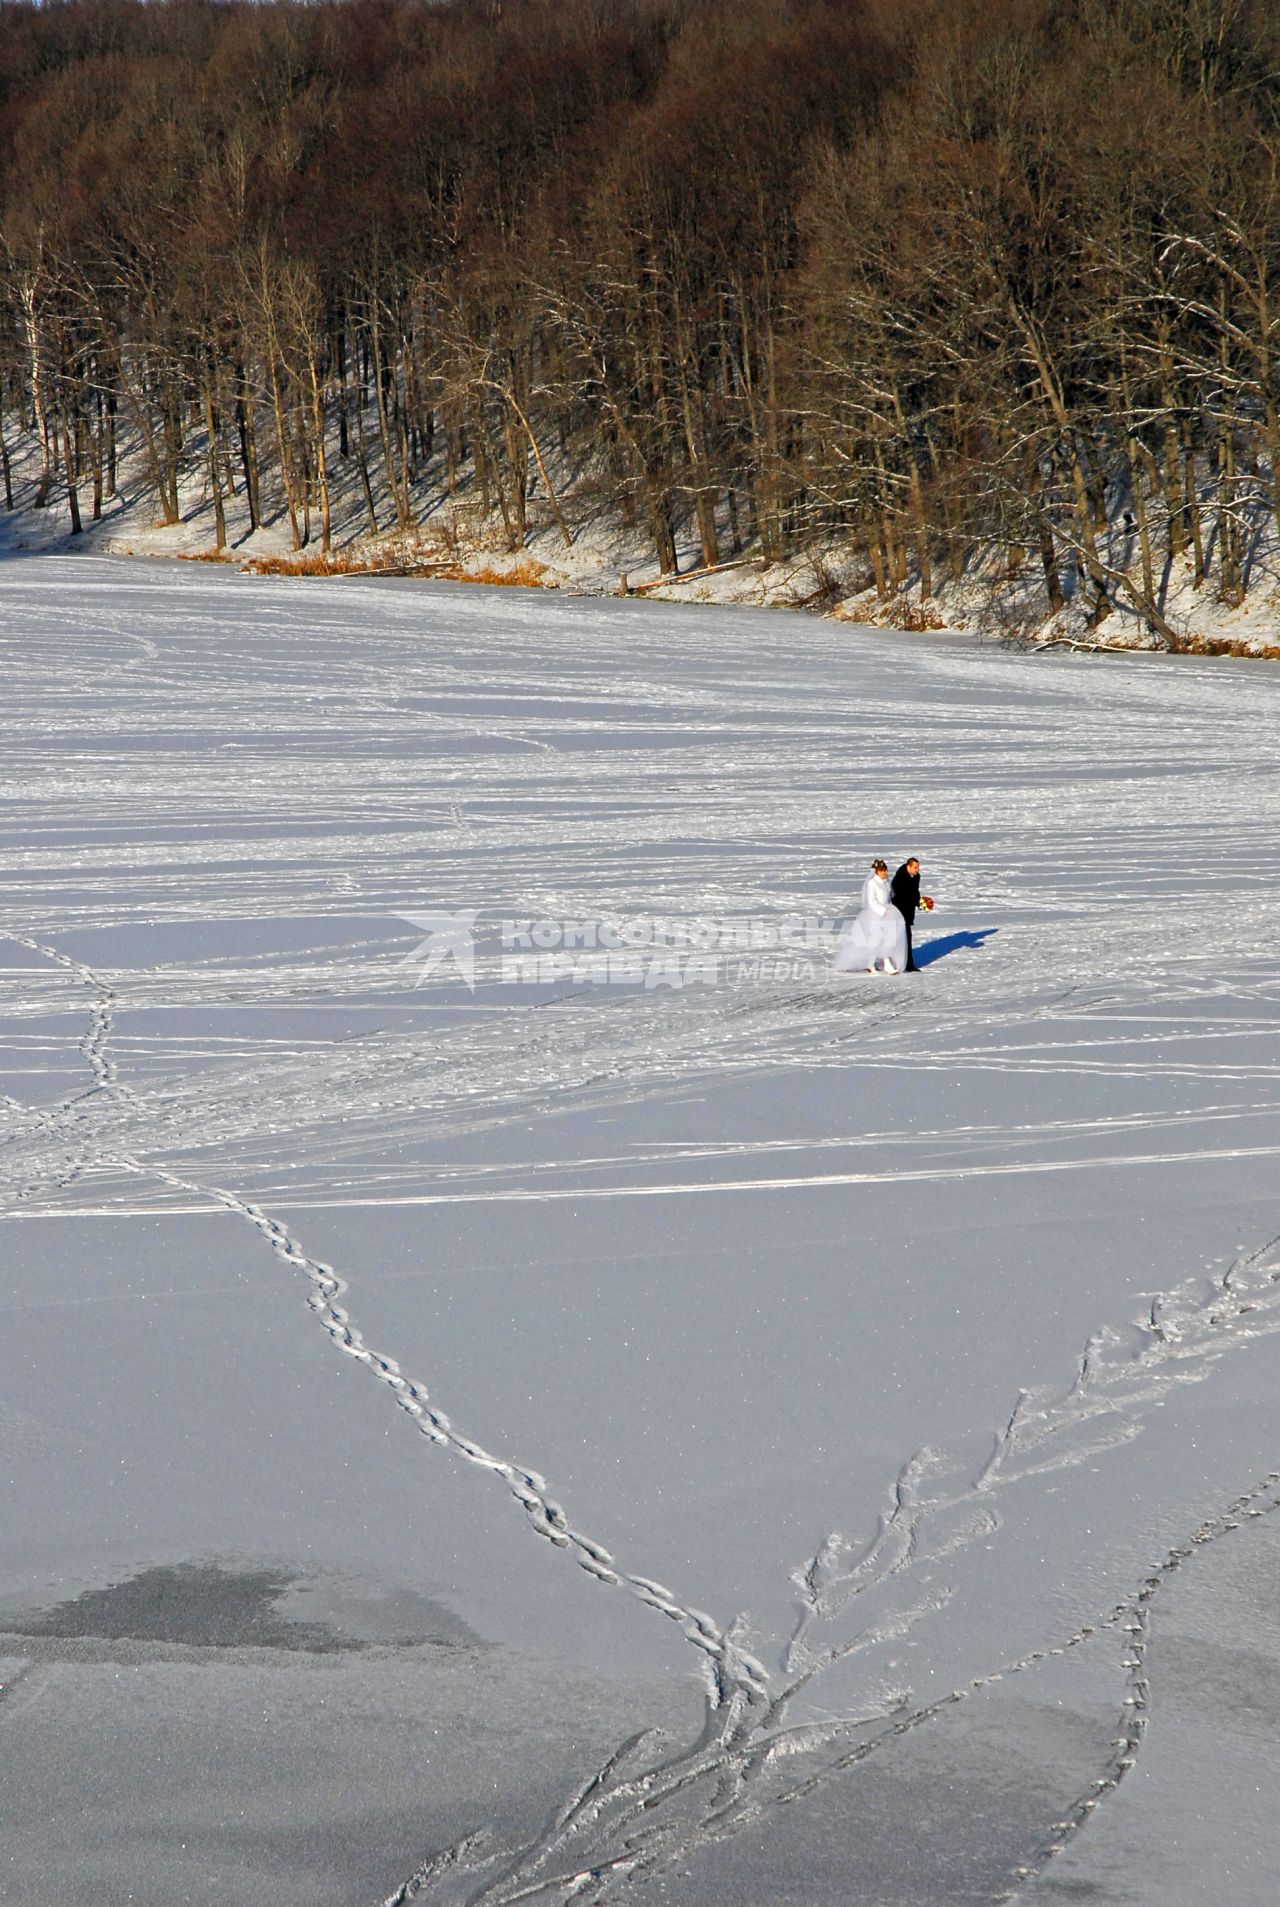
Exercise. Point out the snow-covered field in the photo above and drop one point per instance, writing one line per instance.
(850, 1407)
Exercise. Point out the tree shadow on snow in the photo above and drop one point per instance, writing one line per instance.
(931, 950)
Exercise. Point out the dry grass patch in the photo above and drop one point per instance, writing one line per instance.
(891, 615)
(313, 563)
(526, 573)
(1231, 646)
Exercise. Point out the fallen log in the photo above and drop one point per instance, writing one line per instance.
(689, 576)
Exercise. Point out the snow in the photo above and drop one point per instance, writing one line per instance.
(906, 1342)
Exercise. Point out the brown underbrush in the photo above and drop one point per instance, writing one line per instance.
(315, 563)
(892, 615)
(1230, 646)
(525, 573)
(528, 573)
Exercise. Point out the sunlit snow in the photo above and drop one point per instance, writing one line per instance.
(837, 1375)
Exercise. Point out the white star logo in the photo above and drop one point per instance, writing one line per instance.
(449, 937)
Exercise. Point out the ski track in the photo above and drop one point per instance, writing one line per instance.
(225, 848)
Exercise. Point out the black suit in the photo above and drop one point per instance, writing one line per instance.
(904, 892)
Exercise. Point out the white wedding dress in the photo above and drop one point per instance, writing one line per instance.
(879, 933)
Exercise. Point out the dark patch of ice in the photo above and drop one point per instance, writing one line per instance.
(209, 1605)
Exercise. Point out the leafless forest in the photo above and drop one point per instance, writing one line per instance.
(945, 282)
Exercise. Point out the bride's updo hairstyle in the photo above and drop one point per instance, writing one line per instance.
(879, 867)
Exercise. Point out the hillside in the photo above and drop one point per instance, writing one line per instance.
(833, 288)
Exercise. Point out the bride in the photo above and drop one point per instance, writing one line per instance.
(879, 934)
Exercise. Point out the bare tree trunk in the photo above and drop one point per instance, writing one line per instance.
(480, 454)
(875, 551)
(661, 529)
(1191, 499)
(171, 443)
(1044, 533)
(302, 465)
(248, 447)
(1137, 487)
(227, 462)
(1228, 536)
(518, 465)
(282, 448)
(35, 350)
(1272, 437)
(552, 498)
(69, 463)
(322, 466)
(735, 532)
(768, 483)
(362, 464)
(146, 429)
(215, 475)
(1170, 473)
(1230, 589)
(384, 422)
(94, 439)
(1069, 440)
(6, 468)
(922, 530)
(1049, 569)
(111, 444)
(1088, 539)
(1140, 518)
(340, 353)
(895, 566)
(488, 469)
(401, 421)
(452, 453)
(704, 496)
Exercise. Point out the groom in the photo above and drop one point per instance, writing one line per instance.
(904, 892)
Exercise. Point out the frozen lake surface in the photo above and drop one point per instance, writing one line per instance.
(849, 1407)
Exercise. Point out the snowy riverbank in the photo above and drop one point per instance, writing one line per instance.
(582, 551)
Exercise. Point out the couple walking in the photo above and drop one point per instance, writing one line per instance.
(879, 940)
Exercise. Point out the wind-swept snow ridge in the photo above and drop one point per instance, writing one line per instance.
(733, 1670)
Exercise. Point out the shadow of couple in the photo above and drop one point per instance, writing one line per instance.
(931, 950)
